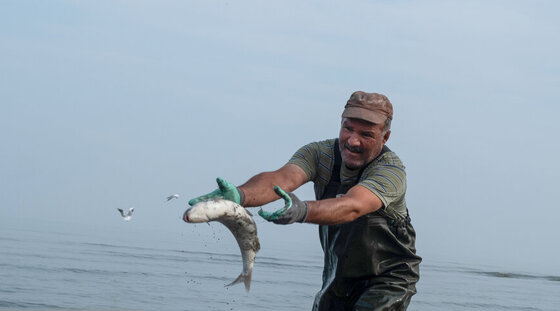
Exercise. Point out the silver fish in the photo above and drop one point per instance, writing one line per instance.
(239, 221)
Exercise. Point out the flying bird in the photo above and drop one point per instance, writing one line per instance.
(171, 197)
(126, 216)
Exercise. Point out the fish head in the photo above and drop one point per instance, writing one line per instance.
(196, 214)
(206, 211)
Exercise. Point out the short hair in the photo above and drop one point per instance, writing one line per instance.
(387, 126)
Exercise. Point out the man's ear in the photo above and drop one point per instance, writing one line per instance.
(386, 136)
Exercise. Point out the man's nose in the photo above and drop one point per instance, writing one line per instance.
(353, 140)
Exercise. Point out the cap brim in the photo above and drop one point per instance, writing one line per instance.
(364, 114)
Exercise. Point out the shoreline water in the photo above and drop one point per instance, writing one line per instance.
(42, 270)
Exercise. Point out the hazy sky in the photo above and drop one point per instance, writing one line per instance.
(108, 104)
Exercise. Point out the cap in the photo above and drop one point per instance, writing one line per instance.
(372, 107)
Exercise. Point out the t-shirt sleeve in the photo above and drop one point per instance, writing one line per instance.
(387, 181)
(307, 157)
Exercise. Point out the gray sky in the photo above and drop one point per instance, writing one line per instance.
(107, 104)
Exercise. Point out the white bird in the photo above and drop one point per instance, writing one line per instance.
(126, 216)
(171, 197)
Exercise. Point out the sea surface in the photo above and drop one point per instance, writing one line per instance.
(49, 270)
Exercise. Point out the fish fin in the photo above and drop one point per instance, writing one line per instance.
(246, 279)
(240, 278)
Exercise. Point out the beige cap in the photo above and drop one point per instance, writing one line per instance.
(372, 107)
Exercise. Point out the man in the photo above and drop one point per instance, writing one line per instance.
(364, 227)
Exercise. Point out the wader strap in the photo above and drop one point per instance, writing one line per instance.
(334, 181)
(337, 162)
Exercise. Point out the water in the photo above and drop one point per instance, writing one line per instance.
(49, 270)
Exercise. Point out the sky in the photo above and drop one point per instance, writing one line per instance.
(118, 104)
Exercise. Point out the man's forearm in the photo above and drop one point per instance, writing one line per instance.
(331, 212)
(357, 202)
(259, 190)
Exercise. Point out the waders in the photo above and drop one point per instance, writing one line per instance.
(371, 262)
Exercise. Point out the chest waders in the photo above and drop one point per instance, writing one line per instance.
(371, 262)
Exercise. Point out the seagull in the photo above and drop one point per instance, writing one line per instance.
(171, 197)
(128, 214)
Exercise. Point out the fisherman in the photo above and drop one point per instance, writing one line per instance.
(370, 260)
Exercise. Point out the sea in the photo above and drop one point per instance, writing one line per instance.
(55, 270)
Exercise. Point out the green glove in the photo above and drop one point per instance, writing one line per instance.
(294, 210)
(225, 191)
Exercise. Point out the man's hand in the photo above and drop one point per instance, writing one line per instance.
(294, 210)
(225, 191)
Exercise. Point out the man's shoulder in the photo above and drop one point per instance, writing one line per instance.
(315, 158)
(389, 158)
(321, 146)
(326, 143)
(387, 163)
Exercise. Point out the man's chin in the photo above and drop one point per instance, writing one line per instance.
(353, 165)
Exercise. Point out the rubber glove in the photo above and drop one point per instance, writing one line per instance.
(225, 191)
(294, 209)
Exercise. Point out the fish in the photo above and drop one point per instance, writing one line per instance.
(126, 216)
(241, 224)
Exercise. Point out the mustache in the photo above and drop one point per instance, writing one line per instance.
(354, 149)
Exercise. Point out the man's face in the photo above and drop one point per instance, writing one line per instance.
(360, 141)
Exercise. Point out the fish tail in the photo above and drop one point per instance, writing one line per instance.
(245, 278)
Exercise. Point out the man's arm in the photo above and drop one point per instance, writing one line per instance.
(357, 202)
(259, 190)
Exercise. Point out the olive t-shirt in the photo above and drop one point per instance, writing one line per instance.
(385, 176)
